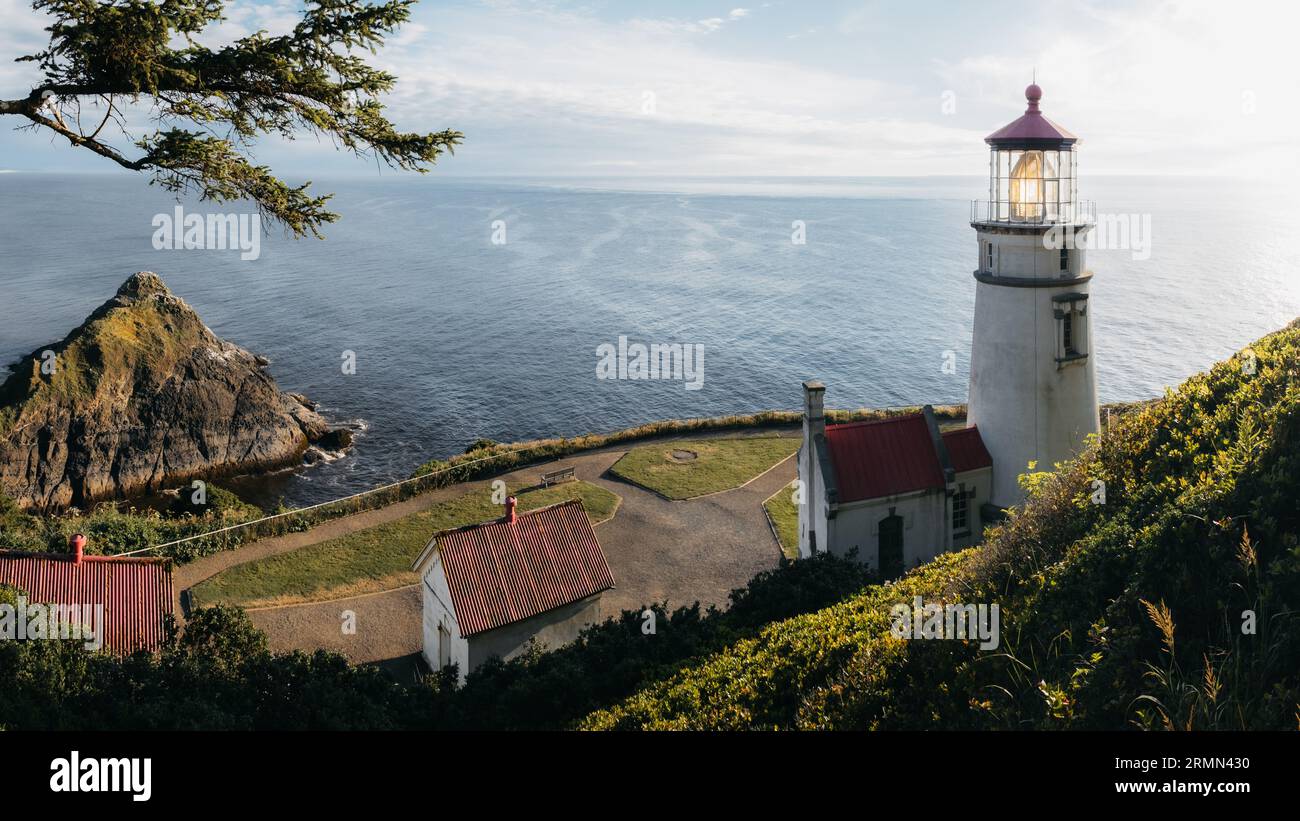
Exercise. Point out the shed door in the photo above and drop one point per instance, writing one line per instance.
(889, 559)
(444, 647)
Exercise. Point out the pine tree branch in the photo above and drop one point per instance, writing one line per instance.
(307, 81)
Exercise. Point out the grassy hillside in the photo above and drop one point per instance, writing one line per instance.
(1169, 604)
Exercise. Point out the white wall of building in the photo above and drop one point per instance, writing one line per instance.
(857, 525)
(548, 631)
(438, 612)
(980, 484)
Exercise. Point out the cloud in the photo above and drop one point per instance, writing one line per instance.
(537, 88)
(21, 32)
(1194, 87)
(558, 91)
(672, 25)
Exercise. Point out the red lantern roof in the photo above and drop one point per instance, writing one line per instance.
(1032, 130)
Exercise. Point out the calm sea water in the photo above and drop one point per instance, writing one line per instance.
(457, 338)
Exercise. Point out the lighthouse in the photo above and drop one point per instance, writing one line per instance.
(1033, 386)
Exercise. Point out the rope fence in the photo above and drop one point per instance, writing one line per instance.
(511, 457)
(427, 478)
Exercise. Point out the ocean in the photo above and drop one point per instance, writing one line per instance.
(477, 307)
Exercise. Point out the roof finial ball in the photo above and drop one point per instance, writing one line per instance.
(1033, 94)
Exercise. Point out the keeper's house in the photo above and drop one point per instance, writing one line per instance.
(898, 491)
(490, 589)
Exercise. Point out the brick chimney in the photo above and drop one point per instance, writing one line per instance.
(77, 546)
(510, 516)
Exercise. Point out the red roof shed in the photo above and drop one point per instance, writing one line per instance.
(502, 572)
(136, 593)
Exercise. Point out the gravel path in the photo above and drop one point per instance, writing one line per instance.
(658, 550)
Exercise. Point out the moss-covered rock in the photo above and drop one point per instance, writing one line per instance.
(142, 395)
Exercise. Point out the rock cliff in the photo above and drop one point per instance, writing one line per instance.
(141, 396)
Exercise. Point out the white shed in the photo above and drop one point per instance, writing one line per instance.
(490, 589)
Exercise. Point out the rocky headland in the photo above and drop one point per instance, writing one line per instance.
(142, 396)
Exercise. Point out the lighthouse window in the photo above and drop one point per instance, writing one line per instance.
(1071, 312)
(1026, 187)
(1065, 259)
(1032, 186)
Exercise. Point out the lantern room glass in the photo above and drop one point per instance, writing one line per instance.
(1029, 185)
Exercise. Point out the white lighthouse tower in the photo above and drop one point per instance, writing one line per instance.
(1033, 386)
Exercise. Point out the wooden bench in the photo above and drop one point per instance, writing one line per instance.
(556, 476)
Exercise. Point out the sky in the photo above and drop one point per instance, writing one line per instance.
(742, 88)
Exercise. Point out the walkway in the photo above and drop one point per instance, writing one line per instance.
(658, 550)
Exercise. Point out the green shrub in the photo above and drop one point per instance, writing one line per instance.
(216, 674)
(609, 661)
(219, 674)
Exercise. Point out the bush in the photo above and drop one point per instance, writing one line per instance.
(611, 660)
(216, 674)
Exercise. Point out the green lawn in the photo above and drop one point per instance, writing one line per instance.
(784, 513)
(719, 464)
(378, 558)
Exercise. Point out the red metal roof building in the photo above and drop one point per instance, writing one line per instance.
(493, 589)
(966, 449)
(889, 457)
(893, 492)
(504, 572)
(136, 593)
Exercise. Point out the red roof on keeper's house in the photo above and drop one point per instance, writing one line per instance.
(503, 572)
(883, 458)
(889, 457)
(966, 449)
(136, 593)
